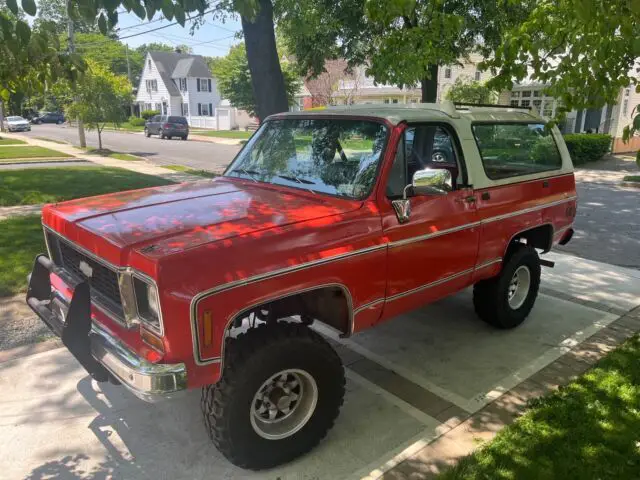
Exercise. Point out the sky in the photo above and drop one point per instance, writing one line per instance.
(213, 39)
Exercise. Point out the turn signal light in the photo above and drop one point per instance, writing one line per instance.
(152, 340)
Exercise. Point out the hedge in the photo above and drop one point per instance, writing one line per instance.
(147, 114)
(137, 122)
(587, 147)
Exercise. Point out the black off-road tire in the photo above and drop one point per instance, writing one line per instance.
(490, 297)
(252, 359)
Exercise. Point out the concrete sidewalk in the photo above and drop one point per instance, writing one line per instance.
(423, 390)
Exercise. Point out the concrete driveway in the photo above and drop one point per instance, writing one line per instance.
(409, 381)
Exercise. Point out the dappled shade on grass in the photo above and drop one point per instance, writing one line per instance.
(589, 429)
(29, 152)
(21, 239)
(46, 185)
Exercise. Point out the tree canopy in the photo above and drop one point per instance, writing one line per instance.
(234, 79)
(465, 90)
(101, 97)
(403, 42)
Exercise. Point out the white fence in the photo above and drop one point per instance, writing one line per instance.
(222, 119)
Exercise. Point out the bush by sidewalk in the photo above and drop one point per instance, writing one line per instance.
(587, 147)
(136, 121)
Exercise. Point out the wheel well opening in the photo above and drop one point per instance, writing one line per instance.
(330, 305)
(540, 237)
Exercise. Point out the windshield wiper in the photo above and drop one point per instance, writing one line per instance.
(291, 178)
(248, 173)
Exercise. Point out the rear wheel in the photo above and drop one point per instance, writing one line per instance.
(279, 395)
(169, 137)
(506, 300)
(185, 137)
(162, 135)
(59, 122)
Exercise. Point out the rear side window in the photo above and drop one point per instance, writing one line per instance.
(178, 120)
(513, 149)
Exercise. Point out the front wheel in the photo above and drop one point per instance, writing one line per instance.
(162, 135)
(280, 393)
(506, 300)
(147, 133)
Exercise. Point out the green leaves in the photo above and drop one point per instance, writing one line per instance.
(29, 6)
(167, 9)
(23, 32)
(13, 6)
(178, 13)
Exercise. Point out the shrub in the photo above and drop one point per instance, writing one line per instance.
(587, 147)
(136, 121)
(147, 114)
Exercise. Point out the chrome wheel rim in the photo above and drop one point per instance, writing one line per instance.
(519, 287)
(284, 404)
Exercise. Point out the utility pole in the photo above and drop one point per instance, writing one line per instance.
(126, 49)
(72, 49)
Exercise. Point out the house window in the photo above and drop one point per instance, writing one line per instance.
(185, 109)
(204, 109)
(158, 107)
(204, 84)
(537, 104)
(547, 110)
(525, 103)
(147, 106)
(413, 100)
(536, 93)
(526, 94)
(149, 63)
(395, 100)
(386, 100)
(477, 75)
(515, 94)
(626, 92)
(152, 85)
(625, 107)
(447, 72)
(183, 84)
(513, 103)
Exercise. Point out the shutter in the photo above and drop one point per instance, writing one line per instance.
(199, 109)
(209, 84)
(198, 83)
(186, 85)
(211, 109)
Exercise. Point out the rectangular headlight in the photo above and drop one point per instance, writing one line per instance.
(147, 303)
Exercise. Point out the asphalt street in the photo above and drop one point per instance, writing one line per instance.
(199, 155)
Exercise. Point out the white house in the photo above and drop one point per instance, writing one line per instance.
(181, 84)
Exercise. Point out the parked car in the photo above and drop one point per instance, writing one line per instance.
(339, 217)
(17, 124)
(167, 127)
(49, 117)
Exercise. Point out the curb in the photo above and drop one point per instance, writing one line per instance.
(630, 184)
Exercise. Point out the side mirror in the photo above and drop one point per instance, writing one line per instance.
(432, 181)
(429, 181)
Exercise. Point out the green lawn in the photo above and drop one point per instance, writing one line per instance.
(29, 152)
(21, 239)
(110, 153)
(224, 133)
(632, 178)
(191, 171)
(45, 185)
(588, 430)
(128, 127)
(11, 141)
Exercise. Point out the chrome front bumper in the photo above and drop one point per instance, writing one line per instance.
(98, 350)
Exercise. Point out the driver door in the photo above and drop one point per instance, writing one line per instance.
(433, 253)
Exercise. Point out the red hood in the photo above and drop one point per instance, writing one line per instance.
(181, 216)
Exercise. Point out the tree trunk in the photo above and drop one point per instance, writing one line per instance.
(429, 85)
(99, 139)
(266, 75)
(1, 115)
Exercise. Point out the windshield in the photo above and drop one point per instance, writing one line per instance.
(336, 157)
(14, 119)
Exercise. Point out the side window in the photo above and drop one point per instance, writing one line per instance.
(156, 118)
(422, 146)
(510, 150)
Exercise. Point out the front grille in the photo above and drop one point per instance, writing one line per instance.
(105, 291)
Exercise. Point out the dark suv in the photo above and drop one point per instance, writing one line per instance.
(167, 127)
(48, 117)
